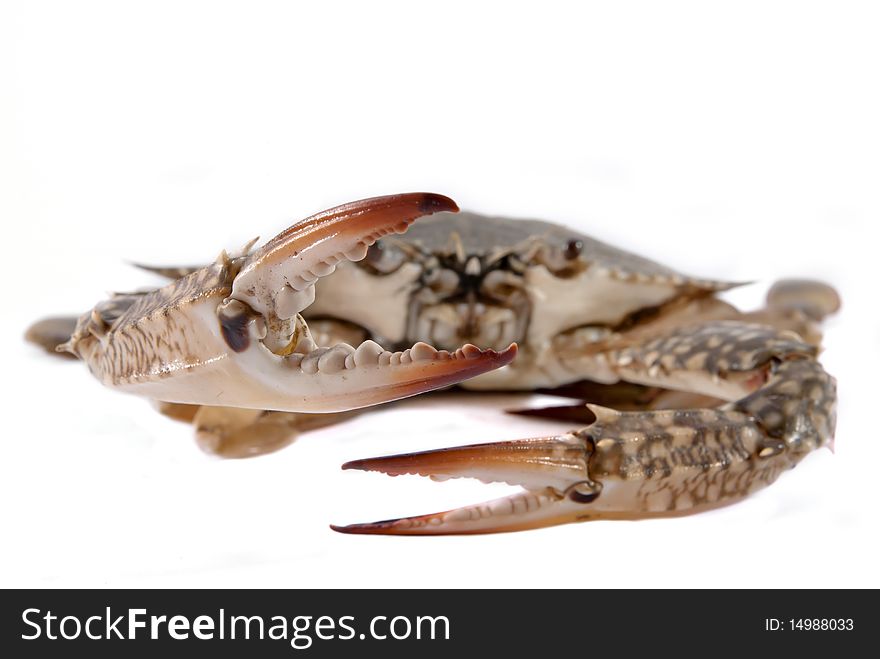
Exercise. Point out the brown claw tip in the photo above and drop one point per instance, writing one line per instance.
(419, 463)
(508, 354)
(393, 465)
(498, 358)
(431, 203)
(364, 529)
(351, 529)
(471, 352)
(383, 527)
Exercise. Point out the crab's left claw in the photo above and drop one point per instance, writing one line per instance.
(553, 472)
(638, 464)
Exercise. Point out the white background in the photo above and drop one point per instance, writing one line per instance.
(730, 140)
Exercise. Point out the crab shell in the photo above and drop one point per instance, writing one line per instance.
(465, 277)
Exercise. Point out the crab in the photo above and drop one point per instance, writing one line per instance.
(689, 404)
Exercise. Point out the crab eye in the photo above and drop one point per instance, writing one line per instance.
(382, 258)
(573, 249)
(562, 259)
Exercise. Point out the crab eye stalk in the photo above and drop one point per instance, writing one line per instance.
(563, 260)
(573, 249)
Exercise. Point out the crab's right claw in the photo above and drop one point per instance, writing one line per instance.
(277, 281)
(231, 334)
(553, 472)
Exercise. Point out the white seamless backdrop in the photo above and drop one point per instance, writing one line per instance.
(731, 140)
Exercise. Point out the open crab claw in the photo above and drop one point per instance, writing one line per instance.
(277, 281)
(231, 334)
(553, 472)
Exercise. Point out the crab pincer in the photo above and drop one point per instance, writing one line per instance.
(552, 471)
(231, 334)
(647, 463)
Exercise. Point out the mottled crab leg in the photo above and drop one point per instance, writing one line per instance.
(647, 463)
(231, 334)
(236, 432)
(795, 305)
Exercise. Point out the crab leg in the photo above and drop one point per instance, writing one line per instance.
(236, 432)
(648, 463)
(49, 333)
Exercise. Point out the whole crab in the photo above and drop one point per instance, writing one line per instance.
(711, 403)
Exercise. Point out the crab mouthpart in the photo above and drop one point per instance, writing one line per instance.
(553, 472)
